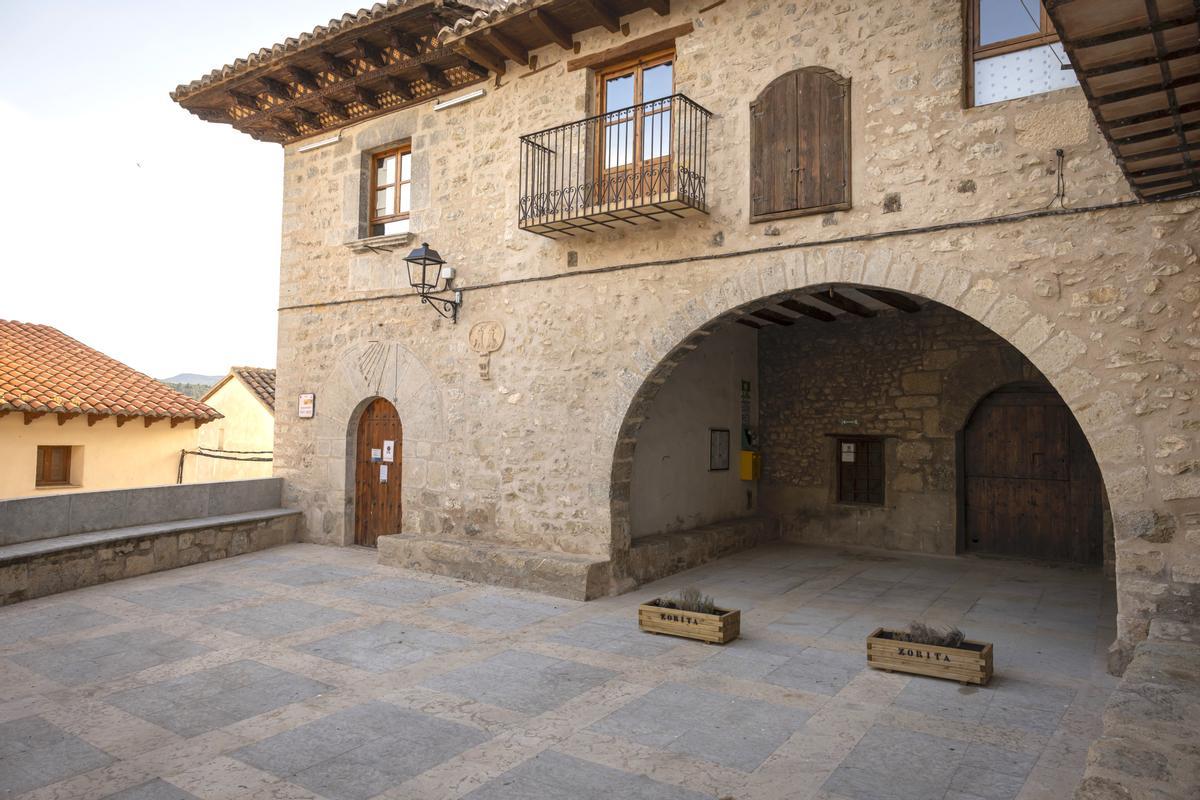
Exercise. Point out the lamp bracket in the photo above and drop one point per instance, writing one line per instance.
(446, 307)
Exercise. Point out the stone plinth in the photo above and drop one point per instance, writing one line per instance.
(576, 577)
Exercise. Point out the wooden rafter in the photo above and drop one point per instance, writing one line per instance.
(549, 25)
(661, 7)
(896, 300)
(403, 42)
(400, 87)
(749, 323)
(30, 416)
(63, 416)
(808, 311)
(481, 55)
(367, 97)
(840, 301)
(435, 76)
(148, 421)
(506, 47)
(122, 419)
(92, 419)
(304, 78)
(603, 15)
(369, 52)
(773, 316)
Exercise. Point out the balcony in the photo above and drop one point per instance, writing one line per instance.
(624, 167)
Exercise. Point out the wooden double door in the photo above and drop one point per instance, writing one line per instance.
(1033, 488)
(377, 473)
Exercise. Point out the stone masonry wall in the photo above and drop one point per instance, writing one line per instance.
(1104, 303)
(912, 378)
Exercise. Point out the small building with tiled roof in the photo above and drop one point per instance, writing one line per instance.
(72, 417)
(240, 444)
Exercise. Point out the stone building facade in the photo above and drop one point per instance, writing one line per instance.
(528, 477)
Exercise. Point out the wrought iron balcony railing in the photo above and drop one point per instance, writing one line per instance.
(626, 166)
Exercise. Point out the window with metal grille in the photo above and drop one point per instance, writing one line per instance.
(53, 466)
(860, 471)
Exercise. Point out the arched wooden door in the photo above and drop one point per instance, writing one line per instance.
(1033, 488)
(377, 473)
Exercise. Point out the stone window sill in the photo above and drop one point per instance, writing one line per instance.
(375, 244)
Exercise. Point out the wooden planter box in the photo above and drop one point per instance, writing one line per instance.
(718, 628)
(970, 662)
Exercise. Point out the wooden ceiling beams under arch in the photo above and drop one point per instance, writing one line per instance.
(831, 304)
(388, 59)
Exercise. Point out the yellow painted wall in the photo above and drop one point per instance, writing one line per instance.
(110, 458)
(247, 425)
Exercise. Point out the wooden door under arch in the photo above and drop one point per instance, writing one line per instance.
(1033, 488)
(377, 473)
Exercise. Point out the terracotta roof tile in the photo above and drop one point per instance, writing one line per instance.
(261, 382)
(319, 35)
(44, 370)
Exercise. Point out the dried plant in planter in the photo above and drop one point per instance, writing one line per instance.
(919, 632)
(690, 599)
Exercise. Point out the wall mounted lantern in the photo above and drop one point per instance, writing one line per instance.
(426, 272)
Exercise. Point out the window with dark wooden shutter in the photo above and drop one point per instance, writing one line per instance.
(800, 145)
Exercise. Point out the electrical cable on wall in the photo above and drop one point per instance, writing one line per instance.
(254, 455)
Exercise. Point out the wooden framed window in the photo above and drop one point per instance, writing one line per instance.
(53, 465)
(391, 191)
(800, 145)
(1012, 50)
(635, 142)
(860, 470)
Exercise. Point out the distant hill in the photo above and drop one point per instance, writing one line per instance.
(191, 377)
(191, 384)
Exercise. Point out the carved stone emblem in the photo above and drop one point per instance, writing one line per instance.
(485, 338)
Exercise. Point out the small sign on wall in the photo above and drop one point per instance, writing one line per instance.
(376, 454)
(383, 472)
(307, 407)
(389, 450)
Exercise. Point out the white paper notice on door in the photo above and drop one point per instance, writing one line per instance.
(376, 454)
(383, 469)
(389, 450)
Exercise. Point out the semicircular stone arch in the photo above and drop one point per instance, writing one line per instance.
(990, 298)
(361, 372)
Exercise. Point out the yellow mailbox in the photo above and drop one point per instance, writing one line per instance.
(750, 466)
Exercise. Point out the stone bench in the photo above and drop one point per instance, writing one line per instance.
(575, 577)
(662, 554)
(54, 543)
(59, 564)
(1148, 748)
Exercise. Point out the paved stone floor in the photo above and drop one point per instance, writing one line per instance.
(309, 671)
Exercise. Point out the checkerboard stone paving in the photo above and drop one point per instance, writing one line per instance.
(275, 618)
(213, 698)
(26, 624)
(361, 751)
(107, 657)
(396, 592)
(189, 596)
(313, 672)
(897, 764)
(156, 789)
(498, 612)
(384, 647)
(519, 681)
(731, 731)
(35, 753)
(612, 634)
(554, 775)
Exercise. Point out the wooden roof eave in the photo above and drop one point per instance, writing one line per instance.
(513, 33)
(1138, 63)
(251, 101)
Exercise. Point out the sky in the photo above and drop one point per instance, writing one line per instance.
(127, 222)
